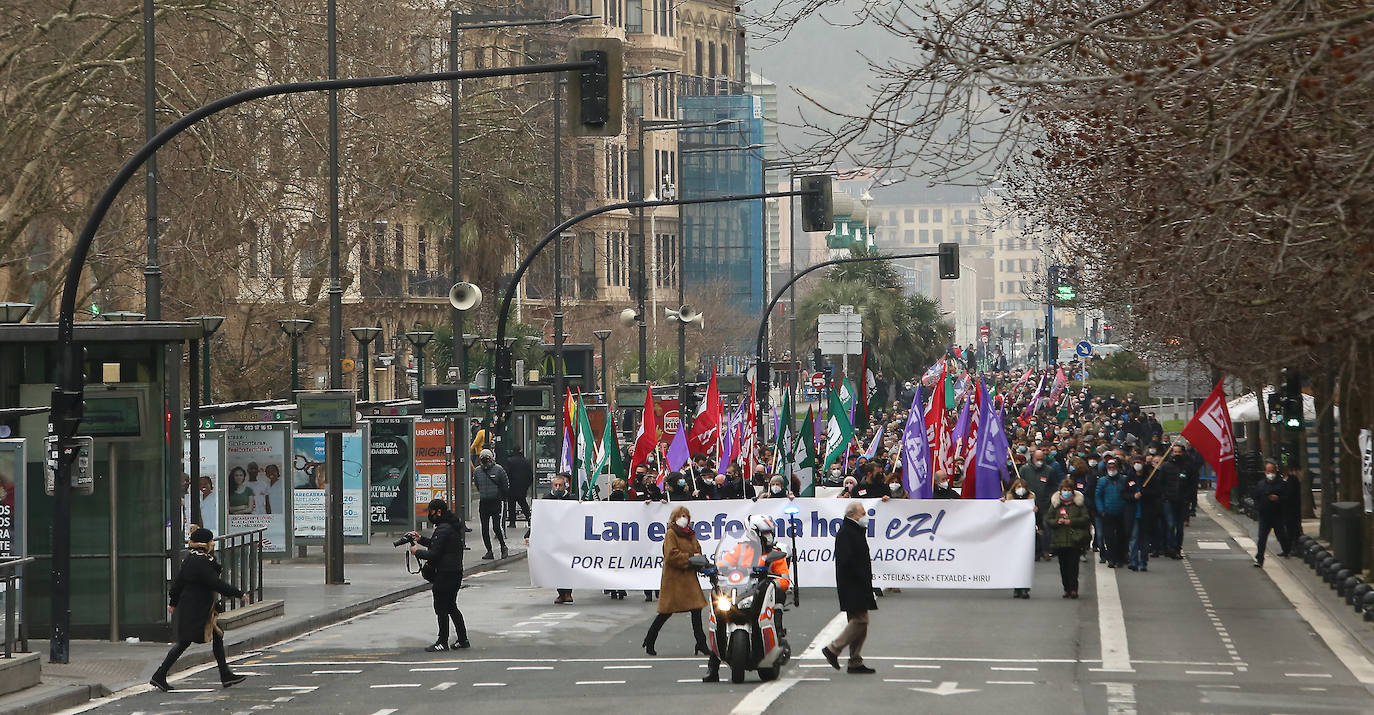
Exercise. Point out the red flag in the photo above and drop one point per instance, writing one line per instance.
(970, 485)
(938, 431)
(1210, 434)
(647, 437)
(749, 438)
(705, 435)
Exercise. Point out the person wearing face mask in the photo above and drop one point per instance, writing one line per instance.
(559, 489)
(493, 486)
(1113, 499)
(679, 487)
(1148, 493)
(777, 488)
(1271, 501)
(854, 587)
(942, 488)
(444, 549)
(1018, 491)
(679, 590)
(1067, 523)
(850, 486)
(833, 477)
(1041, 476)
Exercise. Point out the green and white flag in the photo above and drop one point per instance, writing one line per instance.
(838, 432)
(782, 460)
(803, 457)
(584, 452)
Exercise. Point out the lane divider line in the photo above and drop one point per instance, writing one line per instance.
(1111, 622)
(761, 697)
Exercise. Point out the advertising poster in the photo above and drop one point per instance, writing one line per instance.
(547, 446)
(431, 464)
(205, 483)
(308, 486)
(915, 543)
(256, 493)
(392, 469)
(12, 502)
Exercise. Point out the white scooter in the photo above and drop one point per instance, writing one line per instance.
(743, 630)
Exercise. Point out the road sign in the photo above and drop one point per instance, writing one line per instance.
(840, 333)
(818, 381)
(1084, 348)
(984, 330)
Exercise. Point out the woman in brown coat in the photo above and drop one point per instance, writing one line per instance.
(679, 589)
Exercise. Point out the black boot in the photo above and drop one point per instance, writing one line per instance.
(712, 671)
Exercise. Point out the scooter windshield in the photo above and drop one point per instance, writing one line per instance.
(735, 560)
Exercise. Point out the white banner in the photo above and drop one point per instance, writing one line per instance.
(1366, 469)
(915, 543)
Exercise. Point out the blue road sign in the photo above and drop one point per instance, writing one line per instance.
(1084, 348)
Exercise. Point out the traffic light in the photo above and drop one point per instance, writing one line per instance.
(1062, 280)
(596, 96)
(949, 261)
(1106, 332)
(1039, 335)
(818, 360)
(816, 211)
(1292, 399)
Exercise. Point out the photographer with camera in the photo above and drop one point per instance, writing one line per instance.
(443, 554)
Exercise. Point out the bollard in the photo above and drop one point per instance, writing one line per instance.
(1339, 575)
(1324, 564)
(1348, 585)
(1304, 540)
(1367, 605)
(1314, 554)
(1357, 594)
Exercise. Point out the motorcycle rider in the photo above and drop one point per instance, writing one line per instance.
(763, 528)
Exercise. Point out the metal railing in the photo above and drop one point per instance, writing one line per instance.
(11, 573)
(241, 556)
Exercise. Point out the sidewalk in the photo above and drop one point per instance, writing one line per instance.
(1339, 625)
(375, 575)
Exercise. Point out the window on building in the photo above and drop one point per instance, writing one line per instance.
(699, 58)
(909, 237)
(892, 217)
(938, 234)
(908, 216)
(399, 237)
(724, 61)
(634, 94)
(421, 250)
(634, 16)
(1021, 223)
(958, 216)
(711, 59)
(937, 215)
(924, 216)
(925, 236)
(958, 236)
(378, 244)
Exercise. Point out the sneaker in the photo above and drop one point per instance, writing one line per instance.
(460, 645)
(488, 556)
(860, 669)
(505, 554)
(161, 684)
(1259, 564)
(711, 677)
(436, 646)
(831, 657)
(233, 679)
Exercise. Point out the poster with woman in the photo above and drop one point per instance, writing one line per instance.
(205, 483)
(257, 498)
(391, 465)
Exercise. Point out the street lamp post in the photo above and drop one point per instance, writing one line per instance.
(208, 325)
(295, 328)
(469, 340)
(365, 336)
(419, 339)
(602, 335)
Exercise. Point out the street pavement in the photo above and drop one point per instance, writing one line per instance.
(1210, 633)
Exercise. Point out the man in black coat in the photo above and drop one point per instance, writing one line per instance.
(444, 551)
(520, 473)
(854, 586)
(193, 602)
(1271, 498)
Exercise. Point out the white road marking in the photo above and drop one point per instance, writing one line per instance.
(1308, 675)
(482, 574)
(385, 711)
(1350, 653)
(1007, 667)
(529, 667)
(814, 665)
(284, 699)
(909, 665)
(762, 696)
(599, 682)
(812, 680)
(435, 669)
(1111, 622)
(689, 680)
(1214, 545)
(394, 685)
(626, 667)
(947, 687)
(1208, 672)
(1120, 698)
(1011, 682)
(194, 690)
(335, 672)
(1313, 690)
(488, 685)
(297, 688)
(444, 686)
(905, 680)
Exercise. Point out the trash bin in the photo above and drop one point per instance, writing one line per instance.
(1347, 531)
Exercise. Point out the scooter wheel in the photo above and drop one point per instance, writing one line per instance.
(739, 656)
(767, 674)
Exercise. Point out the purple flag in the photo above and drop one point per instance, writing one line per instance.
(961, 427)
(991, 450)
(916, 454)
(1035, 399)
(873, 446)
(678, 454)
(727, 449)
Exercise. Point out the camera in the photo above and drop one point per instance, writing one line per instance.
(405, 539)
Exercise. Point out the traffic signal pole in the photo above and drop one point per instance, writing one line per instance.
(1049, 316)
(68, 393)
